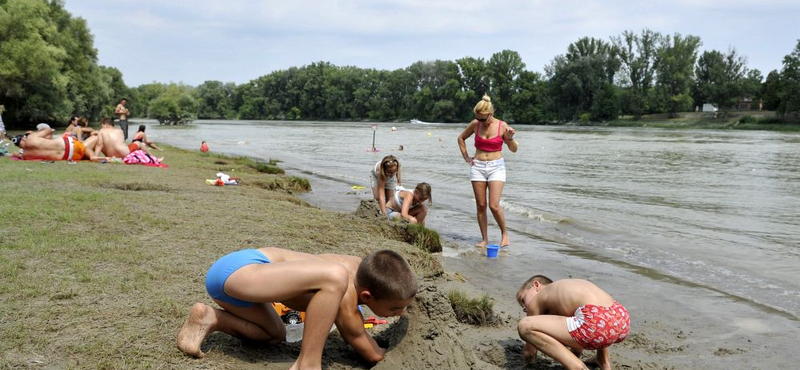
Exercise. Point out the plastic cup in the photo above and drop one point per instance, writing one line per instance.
(491, 250)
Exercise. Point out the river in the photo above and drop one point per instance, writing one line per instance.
(715, 209)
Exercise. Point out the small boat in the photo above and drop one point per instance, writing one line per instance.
(418, 122)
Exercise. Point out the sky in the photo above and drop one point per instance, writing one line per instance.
(193, 41)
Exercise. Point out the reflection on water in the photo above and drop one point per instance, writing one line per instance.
(713, 208)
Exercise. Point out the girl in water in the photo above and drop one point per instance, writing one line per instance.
(409, 205)
(385, 177)
(487, 168)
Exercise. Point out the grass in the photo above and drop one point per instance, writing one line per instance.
(475, 311)
(99, 263)
(739, 120)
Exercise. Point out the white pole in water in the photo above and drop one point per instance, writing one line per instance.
(374, 128)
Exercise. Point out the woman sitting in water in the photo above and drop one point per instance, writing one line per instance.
(384, 177)
(408, 204)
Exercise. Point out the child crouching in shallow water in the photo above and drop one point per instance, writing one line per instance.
(328, 287)
(568, 316)
(409, 204)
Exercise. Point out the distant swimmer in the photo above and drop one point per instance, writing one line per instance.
(487, 168)
(394, 129)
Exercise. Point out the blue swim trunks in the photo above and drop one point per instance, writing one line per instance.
(224, 267)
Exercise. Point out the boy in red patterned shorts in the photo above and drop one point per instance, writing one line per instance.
(567, 316)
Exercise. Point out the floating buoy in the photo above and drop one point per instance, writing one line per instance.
(429, 134)
(204, 147)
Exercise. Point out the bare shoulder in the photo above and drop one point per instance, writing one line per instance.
(351, 262)
(276, 255)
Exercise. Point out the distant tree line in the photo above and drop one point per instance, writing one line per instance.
(49, 71)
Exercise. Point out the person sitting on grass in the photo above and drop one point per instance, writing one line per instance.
(141, 138)
(567, 316)
(409, 204)
(328, 287)
(36, 145)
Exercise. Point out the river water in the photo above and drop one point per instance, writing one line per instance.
(715, 209)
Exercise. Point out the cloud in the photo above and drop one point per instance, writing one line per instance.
(239, 40)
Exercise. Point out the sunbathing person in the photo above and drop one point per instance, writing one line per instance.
(141, 138)
(36, 145)
(112, 140)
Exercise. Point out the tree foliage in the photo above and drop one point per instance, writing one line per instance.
(721, 78)
(49, 71)
(675, 61)
(48, 68)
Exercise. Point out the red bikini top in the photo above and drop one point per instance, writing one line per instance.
(494, 144)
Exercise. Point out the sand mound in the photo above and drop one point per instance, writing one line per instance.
(427, 337)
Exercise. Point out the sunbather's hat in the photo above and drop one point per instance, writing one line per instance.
(44, 126)
(17, 139)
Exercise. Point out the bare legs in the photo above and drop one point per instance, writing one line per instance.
(495, 189)
(325, 283)
(548, 333)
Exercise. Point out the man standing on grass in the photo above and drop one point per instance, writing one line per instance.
(122, 113)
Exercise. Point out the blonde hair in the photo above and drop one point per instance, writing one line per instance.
(387, 162)
(484, 106)
(424, 189)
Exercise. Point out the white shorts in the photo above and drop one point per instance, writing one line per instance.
(392, 214)
(486, 171)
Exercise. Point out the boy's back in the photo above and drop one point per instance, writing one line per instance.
(563, 297)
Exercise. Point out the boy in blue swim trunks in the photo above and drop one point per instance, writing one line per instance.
(328, 287)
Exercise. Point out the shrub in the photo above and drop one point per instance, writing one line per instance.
(474, 311)
(266, 168)
(424, 238)
(748, 119)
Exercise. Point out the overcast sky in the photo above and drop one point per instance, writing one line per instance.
(192, 41)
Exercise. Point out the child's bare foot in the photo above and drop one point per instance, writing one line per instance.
(195, 329)
(161, 159)
(504, 242)
(599, 361)
(482, 244)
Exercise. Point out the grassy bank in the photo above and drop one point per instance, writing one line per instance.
(99, 263)
(746, 120)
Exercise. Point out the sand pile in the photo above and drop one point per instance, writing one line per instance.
(427, 337)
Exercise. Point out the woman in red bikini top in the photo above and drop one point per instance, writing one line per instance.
(487, 167)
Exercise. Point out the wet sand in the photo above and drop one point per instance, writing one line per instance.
(675, 325)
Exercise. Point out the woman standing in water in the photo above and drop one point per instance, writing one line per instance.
(487, 168)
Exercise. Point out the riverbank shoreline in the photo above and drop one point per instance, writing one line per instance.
(102, 261)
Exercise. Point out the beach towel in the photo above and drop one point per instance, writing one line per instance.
(140, 157)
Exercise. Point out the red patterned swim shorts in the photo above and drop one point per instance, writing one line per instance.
(595, 327)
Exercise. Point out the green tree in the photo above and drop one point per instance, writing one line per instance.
(721, 78)
(177, 105)
(32, 85)
(637, 55)
(504, 70)
(675, 61)
(790, 84)
(577, 78)
(213, 100)
(771, 91)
